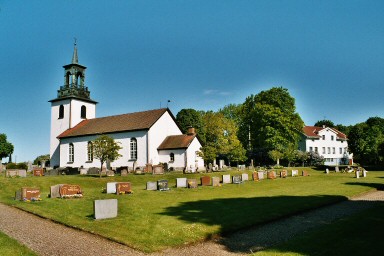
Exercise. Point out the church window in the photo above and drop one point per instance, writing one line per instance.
(71, 153)
(133, 147)
(171, 157)
(83, 112)
(67, 78)
(90, 151)
(61, 112)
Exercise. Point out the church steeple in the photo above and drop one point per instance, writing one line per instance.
(74, 80)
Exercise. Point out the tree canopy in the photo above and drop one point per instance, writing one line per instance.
(105, 149)
(190, 117)
(6, 148)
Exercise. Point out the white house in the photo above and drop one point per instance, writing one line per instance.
(147, 137)
(327, 142)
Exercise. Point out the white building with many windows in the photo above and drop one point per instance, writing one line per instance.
(327, 142)
(146, 137)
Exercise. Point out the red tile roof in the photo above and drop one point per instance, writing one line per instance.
(176, 141)
(313, 131)
(119, 123)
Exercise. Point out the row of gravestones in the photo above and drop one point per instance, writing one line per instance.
(10, 173)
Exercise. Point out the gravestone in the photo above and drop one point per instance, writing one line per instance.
(244, 176)
(123, 188)
(226, 178)
(148, 168)
(158, 169)
(181, 182)
(28, 193)
(255, 176)
(134, 166)
(104, 209)
(327, 171)
(210, 167)
(162, 185)
(260, 175)
(151, 185)
(221, 164)
(357, 174)
(38, 172)
(236, 179)
(337, 168)
(124, 172)
(83, 171)
(66, 191)
(192, 183)
(110, 173)
(15, 173)
(271, 175)
(215, 181)
(283, 174)
(93, 171)
(111, 187)
(205, 181)
(304, 173)
(295, 173)
(364, 173)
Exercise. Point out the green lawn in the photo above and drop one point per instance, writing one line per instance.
(11, 247)
(154, 220)
(360, 234)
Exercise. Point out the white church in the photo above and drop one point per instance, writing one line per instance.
(147, 137)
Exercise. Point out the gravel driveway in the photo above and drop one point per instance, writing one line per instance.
(49, 238)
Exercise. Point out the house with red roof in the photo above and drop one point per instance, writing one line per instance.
(146, 137)
(327, 142)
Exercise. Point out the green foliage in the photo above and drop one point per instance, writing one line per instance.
(190, 117)
(6, 148)
(105, 148)
(11, 247)
(315, 159)
(40, 159)
(22, 166)
(327, 123)
(275, 155)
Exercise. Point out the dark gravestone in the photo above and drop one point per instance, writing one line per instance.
(192, 183)
(123, 188)
(236, 179)
(93, 171)
(271, 175)
(162, 185)
(205, 181)
(30, 194)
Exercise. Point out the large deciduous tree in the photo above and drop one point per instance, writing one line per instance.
(191, 118)
(6, 148)
(272, 120)
(105, 149)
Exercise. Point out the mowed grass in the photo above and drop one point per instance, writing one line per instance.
(11, 247)
(154, 220)
(355, 235)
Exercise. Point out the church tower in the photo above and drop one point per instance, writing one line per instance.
(72, 105)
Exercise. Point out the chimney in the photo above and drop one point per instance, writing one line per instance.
(191, 131)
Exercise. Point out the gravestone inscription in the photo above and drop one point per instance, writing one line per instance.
(28, 194)
(38, 172)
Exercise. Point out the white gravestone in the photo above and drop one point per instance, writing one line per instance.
(181, 182)
(151, 185)
(260, 175)
(226, 179)
(295, 173)
(244, 176)
(104, 209)
(111, 187)
(365, 173)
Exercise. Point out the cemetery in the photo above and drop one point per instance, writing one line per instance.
(169, 204)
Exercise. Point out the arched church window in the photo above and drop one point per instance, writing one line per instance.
(61, 112)
(90, 151)
(83, 113)
(133, 147)
(71, 153)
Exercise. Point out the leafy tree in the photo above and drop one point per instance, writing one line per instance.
(105, 149)
(221, 138)
(40, 159)
(6, 148)
(315, 159)
(272, 120)
(327, 123)
(190, 117)
(233, 112)
(275, 155)
(301, 156)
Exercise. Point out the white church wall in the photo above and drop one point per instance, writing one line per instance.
(179, 158)
(164, 127)
(76, 111)
(193, 159)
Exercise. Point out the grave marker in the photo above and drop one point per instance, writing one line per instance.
(110, 173)
(283, 174)
(16, 173)
(124, 172)
(205, 181)
(255, 176)
(66, 191)
(162, 185)
(83, 171)
(123, 188)
(104, 209)
(38, 172)
(295, 173)
(111, 187)
(226, 178)
(236, 179)
(260, 175)
(337, 168)
(244, 177)
(151, 185)
(305, 173)
(158, 169)
(28, 193)
(192, 183)
(271, 175)
(215, 181)
(181, 182)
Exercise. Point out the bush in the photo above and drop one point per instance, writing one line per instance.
(22, 166)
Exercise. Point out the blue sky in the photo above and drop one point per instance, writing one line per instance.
(198, 54)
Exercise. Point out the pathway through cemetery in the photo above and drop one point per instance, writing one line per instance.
(48, 238)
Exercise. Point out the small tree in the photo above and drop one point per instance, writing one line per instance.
(6, 148)
(275, 155)
(105, 148)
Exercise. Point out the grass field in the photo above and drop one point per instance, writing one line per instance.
(155, 220)
(10, 246)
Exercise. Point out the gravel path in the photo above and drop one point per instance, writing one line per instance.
(49, 238)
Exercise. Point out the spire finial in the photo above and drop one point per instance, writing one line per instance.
(75, 59)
